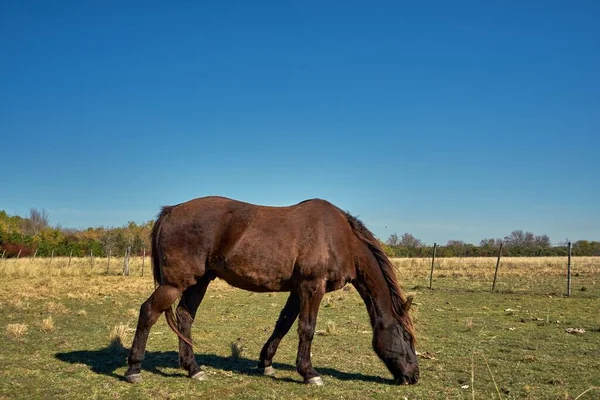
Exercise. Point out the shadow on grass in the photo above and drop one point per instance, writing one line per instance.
(106, 361)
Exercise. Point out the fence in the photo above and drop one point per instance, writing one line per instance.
(542, 275)
(575, 276)
(77, 266)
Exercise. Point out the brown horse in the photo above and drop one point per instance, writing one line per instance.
(307, 249)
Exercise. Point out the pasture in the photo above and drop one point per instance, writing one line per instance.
(65, 330)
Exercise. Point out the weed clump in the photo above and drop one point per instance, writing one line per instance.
(117, 337)
(47, 325)
(237, 348)
(16, 331)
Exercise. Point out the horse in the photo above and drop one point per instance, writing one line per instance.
(307, 249)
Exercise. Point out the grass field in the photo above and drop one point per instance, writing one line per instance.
(63, 331)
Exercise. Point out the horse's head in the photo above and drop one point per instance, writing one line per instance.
(394, 345)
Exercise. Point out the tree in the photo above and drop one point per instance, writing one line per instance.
(490, 242)
(519, 238)
(408, 240)
(543, 241)
(393, 240)
(109, 241)
(37, 221)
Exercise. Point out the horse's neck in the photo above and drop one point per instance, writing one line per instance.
(373, 289)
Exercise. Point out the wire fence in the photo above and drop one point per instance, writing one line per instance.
(76, 266)
(540, 275)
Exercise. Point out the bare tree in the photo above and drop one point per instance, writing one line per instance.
(519, 238)
(38, 220)
(543, 241)
(109, 241)
(393, 240)
(490, 242)
(408, 240)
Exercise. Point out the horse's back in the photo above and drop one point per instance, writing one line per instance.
(262, 248)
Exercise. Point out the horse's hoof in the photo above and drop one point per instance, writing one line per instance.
(267, 371)
(317, 381)
(199, 376)
(133, 378)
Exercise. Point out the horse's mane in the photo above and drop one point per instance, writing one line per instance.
(387, 269)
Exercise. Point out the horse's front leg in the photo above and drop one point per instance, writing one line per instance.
(311, 293)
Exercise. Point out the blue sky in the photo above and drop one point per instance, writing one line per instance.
(448, 120)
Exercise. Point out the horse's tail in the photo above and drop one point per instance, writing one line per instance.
(157, 271)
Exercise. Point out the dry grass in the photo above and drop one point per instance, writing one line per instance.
(331, 328)
(118, 337)
(47, 325)
(483, 267)
(55, 308)
(469, 323)
(514, 273)
(16, 331)
(524, 273)
(237, 349)
(18, 303)
(79, 266)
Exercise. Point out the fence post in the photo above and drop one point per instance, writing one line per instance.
(19, 255)
(70, 255)
(51, 257)
(3, 253)
(569, 272)
(91, 258)
(432, 262)
(35, 254)
(143, 259)
(108, 261)
(497, 265)
(126, 262)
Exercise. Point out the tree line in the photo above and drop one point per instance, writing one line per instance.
(33, 235)
(517, 244)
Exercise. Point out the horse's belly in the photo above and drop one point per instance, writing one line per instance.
(256, 278)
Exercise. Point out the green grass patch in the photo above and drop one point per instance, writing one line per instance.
(511, 345)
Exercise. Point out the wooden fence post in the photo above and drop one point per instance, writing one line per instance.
(108, 261)
(126, 262)
(432, 262)
(143, 259)
(51, 257)
(91, 258)
(497, 265)
(19, 255)
(569, 272)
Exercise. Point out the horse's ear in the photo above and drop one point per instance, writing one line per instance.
(408, 304)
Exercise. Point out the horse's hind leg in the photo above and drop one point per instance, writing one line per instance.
(311, 294)
(286, 319)
(162, 298)
(186, 312)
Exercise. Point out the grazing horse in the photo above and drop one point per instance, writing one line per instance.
(307, 249)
